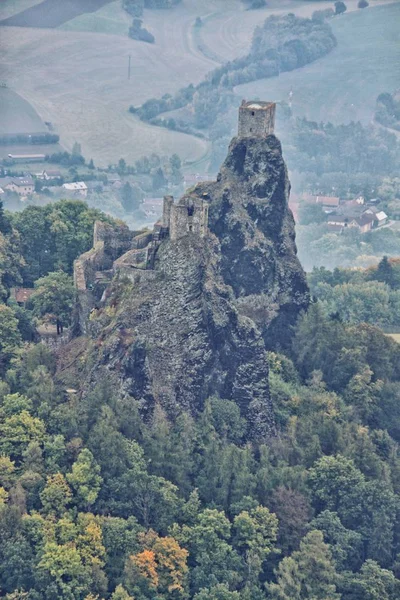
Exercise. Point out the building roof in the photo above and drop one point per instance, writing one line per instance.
(328, 200)
(53, 173)
(257, 105)
(21, 295)
(364, 220)
(21, 181)
(74, 186)
(27, 156)
(381, 216)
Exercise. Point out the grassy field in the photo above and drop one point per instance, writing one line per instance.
(52, 13)
(343, 86)
(8, 8)
(111, 18)
(17, 115)
(78, 79)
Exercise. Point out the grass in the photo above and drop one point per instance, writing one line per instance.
(112, 19)
(78, 80)
(343, 86)
(17, 115)
(8, 8)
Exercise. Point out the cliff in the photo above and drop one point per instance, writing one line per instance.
(200, 322)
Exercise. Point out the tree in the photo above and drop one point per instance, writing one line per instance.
(293, 511)
(255, 534)
(218, 592)
(5, 225)
(10, 337)
(56, 495)
(311, 213)
(337, 485)
(363, 4)
(340, 8)
(120, 593)
(371, 583)
(385, 272)
(76, 149)
(17, 432)
(54, 295)
(208, 541)
(309, 574)
(131, 196)
(137, 32)
(121, 166)
(85, 479)
(91, 164)
(159, 180)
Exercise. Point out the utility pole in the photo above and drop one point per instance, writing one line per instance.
(129, 67)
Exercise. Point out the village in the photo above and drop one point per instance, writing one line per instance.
(39, 187)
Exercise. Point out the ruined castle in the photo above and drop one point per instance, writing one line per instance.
(117, 250)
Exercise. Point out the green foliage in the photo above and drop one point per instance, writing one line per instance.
(340, 7)
(54, 295)
(308, 574)
(53, 236)
(10, 337)
(99, 498)
(85, 479)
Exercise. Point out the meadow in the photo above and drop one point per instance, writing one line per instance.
(343, 86)
(17, 115)
(76, 76)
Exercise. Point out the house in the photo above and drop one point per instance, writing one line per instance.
(21, 295)
(380, 217)
(77, 188)
(47, 175)
(362, 222)
(23, 186)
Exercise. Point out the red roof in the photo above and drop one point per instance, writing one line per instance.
(22, 295)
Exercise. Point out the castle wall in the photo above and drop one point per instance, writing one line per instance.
(117, 240)
(189, 216)
(167, 207)
(256, 122)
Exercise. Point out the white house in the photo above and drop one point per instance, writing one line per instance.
(77, 188)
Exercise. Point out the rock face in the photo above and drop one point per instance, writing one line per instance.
(199, 324)
(249, 214)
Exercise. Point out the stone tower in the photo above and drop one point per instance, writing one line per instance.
(189, 215)
(256, 119)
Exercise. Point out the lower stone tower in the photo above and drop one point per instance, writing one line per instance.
(189, 215)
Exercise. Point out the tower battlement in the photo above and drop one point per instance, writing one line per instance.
(256, 119)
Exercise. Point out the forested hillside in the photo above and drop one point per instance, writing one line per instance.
(99, 500)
